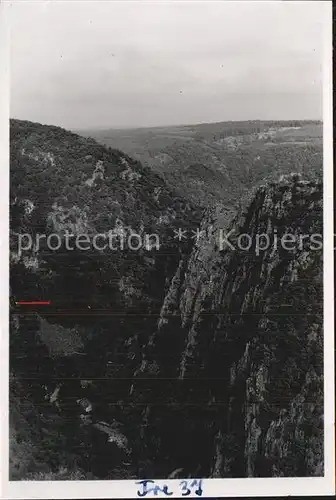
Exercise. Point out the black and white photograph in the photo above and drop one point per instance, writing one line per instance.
(170, 262)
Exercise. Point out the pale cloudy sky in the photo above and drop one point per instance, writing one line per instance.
(133, 63)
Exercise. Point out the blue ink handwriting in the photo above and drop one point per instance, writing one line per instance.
(154, 489)
(186, 487)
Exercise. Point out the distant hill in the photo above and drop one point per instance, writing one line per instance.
(215, 163)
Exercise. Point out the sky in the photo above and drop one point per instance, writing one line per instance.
(110, 64)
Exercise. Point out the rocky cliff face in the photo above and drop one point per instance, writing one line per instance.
(202, 358)
(239, 346)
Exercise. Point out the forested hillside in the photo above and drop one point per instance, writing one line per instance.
(100, 300)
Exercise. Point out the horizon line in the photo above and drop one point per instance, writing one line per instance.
(97, 128)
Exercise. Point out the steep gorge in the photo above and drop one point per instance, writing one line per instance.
(191, 360)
